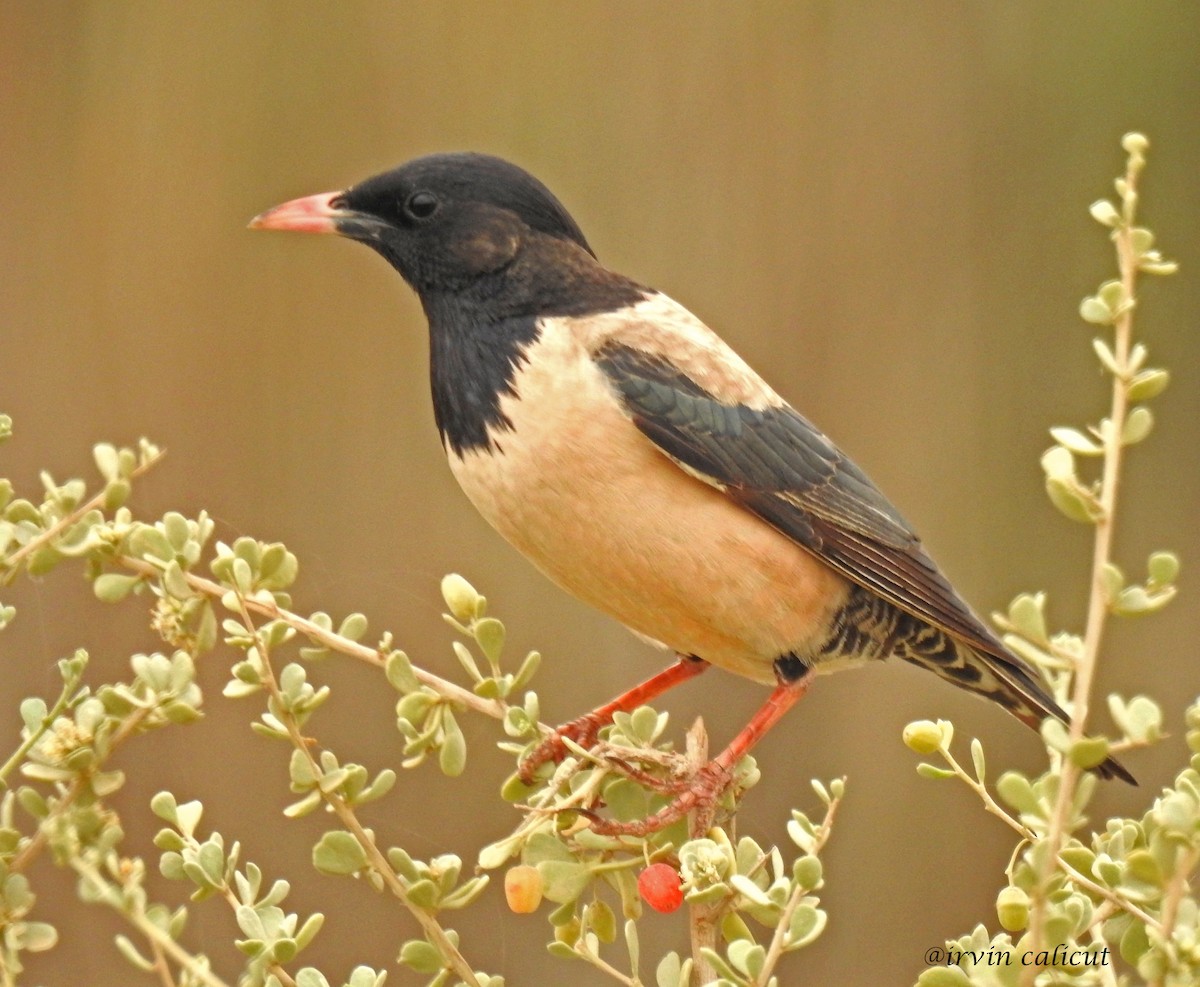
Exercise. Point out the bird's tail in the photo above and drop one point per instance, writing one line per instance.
(999, 676)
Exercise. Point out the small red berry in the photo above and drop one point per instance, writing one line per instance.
(659, 887)
(523, 889)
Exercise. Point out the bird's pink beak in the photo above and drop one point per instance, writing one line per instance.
(311, 214)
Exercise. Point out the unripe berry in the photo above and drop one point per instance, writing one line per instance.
(923, 736)
(1012, 908)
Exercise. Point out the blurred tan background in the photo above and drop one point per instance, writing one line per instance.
(882, 205)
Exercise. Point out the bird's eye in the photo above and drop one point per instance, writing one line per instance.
(421, 205)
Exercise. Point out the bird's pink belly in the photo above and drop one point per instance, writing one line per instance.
(595, 506)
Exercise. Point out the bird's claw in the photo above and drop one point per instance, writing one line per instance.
(703, 790)
(582, 731)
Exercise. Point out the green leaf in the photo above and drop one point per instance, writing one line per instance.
(563, 881)
(211, 858)
(1163, 567)
(1076, 441)
(127, 949)
(39, 936)
(489, 632)
(943, 976)
(1140, 719)
(926, 770)
(1015, 791)
(33, 713)
(1089, 752)
(733, 926)
(627, 800)
(113, 587)
(1136, 601)
(978, 759)
(527, 670)
(1105, 213)
(353, 627)
(1144, 866)
(452, 756)
(645, 724)
(400, 673)
(302, 807)
(560, 950)
(806, 925)
(1027, 613)
(421, 956)
(1105, 354)
(602, 921)
(423, 894)
(338, 852)
(187, 816)
(632, 944)
(1137, 426)
(1073, 501)
(1058, 463)
(1112, 294)
(671, 973)
(310, 928)
(747, 957)
(806, 872)
(1148, 384)
(467, 660)
(107, 461)
(1092, 309)
(116, 493)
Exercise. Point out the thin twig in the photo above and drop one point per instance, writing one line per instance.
(13, 562)
(66, 698)
(329, 639)
(605, 967)
(162, 964)
(703, 917)
(376, 859)
(775, 950)
(1124, 904)
(39, 840)
(1098, 603)
(147, 928)
(989, 803)
(1176, 888)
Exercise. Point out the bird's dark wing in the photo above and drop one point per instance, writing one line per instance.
(780, 467)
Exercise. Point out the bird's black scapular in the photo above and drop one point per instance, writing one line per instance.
(638, 461)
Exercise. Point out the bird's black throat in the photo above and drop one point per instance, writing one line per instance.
(471, 364)
(479, 335)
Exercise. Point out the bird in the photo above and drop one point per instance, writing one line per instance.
(642, 465)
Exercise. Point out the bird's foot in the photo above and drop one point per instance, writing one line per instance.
(585, 730)
(582, 731)
(703, 791)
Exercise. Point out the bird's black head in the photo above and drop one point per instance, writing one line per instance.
(489, 250)
(443, 221)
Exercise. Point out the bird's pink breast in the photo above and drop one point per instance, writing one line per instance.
(601, 511)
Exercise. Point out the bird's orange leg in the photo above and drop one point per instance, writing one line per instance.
(584, 729)
(711, 780)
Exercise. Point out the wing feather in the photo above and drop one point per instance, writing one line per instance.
(783, 469)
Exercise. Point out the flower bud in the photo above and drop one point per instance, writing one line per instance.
(461, 597)
(923, 736)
